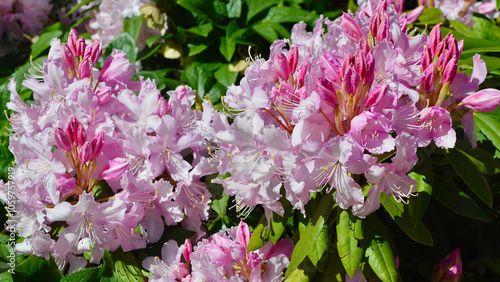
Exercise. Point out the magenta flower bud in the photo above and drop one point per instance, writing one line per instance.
(281, 66)
(85, 68)
(403, 21)
(93, 51)
(452, 45)
(376, 95)
(71, 128)
(85, 152)
(67, 56)
(486, 100)
(187, 250)
(399, 6)
(103, 95)
(428, 78)
(435, 38)
(449, 269)
(302, 72)
(443, 59)
(327, 92)
(81, 135)
(293, 59)
(243, 234)
(81, 47)
(97, 143)
(73, 41)
(115, 169)
(65, 184)
(450, 70)
(62, 139)
(383, 29)
(161, 106)
(426, 58)
(413, 15)
(351, 81)
(352, 29)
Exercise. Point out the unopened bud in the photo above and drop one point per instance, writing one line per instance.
(81, 45)
(449, 269)
(435, 38)
(71, 128)
(376, 95)
(450, 71)
(85, 68)
(73, 41)
(93, 51)
(68, 56)
(352, 29)
(281, 66)
(187, 250)
(81, 135)
(62, 139)
(428, 78)
(293, 59)
(115, 169)
(97, 143)
(486, 100)
(85, 152)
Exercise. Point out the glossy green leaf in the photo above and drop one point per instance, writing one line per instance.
(234, 8)
(257, 6)
(278, 223)
(311, 233)
(126, 267)
(484, 28)
(399, 212)
(423, 174)
(197, 77)
(43, 42)
(266, 30)
(152, 40)
(34, 267)
(133, 26)
(202, 30)
(471, 175)
(489, 124)
(288, 14)
(379, 252)
(448, 194)
(483, 160)
(227, 47)
(482, 49)
(126, 43)
(201, 8)
(430, 16)
(260, 235)
(335, 270)
(195, 49)
(318, 254)
(225, 76)
(349, 248)
(462, 28)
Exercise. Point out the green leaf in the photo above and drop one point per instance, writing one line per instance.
(424, 175)
(227, 48)
(157, 75)
(233, 9)
(260, 236)
(430, 16)
(489, 124)
(335, 270)
(481, 49)
(6, 277)
(43, 42)
(482, 160)
(202, 30)
(311, 233)
(484, 28)
(151, 40)
(462, 28)
(35, 267)
(126, 267)
(266, 30)
(196, 48)
(455, 199)
(471, 175)
(77, 6)
(133, 26)
(201, 8)
(399, 212)
(257, 6)
(126, 43)
(197, 77)
(225, 76)
(318, 254)
(288, 14)
(349, 248)
(379, 252)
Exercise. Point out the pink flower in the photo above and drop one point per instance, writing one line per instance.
(486, 100)
(115, 169)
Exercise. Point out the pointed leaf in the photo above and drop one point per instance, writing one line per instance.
(202, 30)
(349, 248)
(400, 214)
(455, 199)
(379, 252)
(227, 48)
(335, 270)
(257, 6)
(43, 42)
(471, 175)
(423, 174)
(483, 160)
(489, 124)
(233, 9)
(311, 234)
(318, 254)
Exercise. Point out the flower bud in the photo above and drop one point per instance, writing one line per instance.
(67, 56)
(81, 135)
(71, 128)
(293, 59)
(115, 169)
(302, 72)
(161, 106)
(73, 41)
(399, 6)
(281, 66)
(97, 143)
(85, 68)
(450, 71)
(376, 95)
(93, 51)
(103, 95)
(187, 250)
(351, 81)
(449, 269)
(435, 38)
(486, 100)
(327, 92)
(413, 15)
(62, 139)
(85, 152)
(426, 58)
(65, 184)
(81, 47)
(243, 234)
(428, 78)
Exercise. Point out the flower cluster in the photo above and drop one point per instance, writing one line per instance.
(462, 10)
(19, 17)
(103, 161)
(222, 257)
(344, 108)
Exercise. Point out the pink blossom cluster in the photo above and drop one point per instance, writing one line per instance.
(224, 256)
(22, 17)
(102, 161)
(344, 108)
